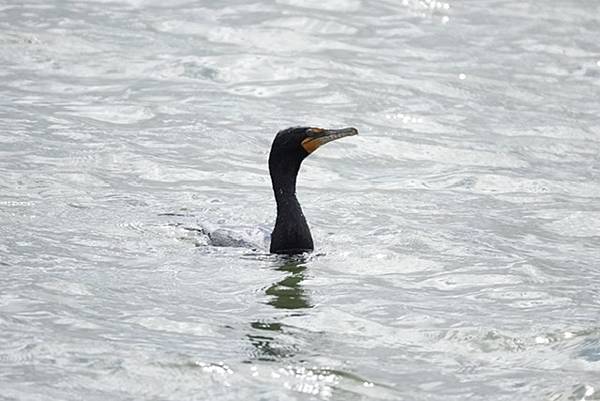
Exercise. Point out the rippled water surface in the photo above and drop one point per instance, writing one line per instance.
(458, 236)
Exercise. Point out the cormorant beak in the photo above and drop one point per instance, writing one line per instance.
(320, 136)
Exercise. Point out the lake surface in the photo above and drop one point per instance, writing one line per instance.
(457, 237)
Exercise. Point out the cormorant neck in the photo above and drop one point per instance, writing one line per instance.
(284, 188)
(283, 171)
(288, 207)
(291, 233)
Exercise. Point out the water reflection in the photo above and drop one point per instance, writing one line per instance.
(289, 293)
(273, 342)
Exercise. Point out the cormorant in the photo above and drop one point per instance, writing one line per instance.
(290, 147)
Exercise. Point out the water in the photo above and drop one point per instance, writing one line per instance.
(457, 236)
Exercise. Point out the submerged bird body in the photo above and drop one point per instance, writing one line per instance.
(290, 147)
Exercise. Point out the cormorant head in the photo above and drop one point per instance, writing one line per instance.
(292, 145)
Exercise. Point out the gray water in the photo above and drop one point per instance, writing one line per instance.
(457, 237)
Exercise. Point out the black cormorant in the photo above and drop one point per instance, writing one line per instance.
(291, 234)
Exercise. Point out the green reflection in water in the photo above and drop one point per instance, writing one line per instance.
(287, 294)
